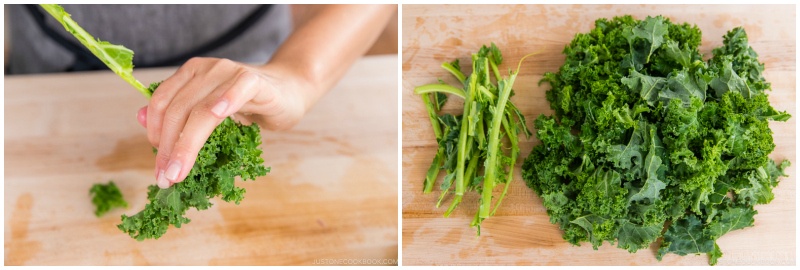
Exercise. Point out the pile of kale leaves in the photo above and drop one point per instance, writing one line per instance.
(649, 140)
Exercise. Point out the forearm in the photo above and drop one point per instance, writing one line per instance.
(322, 49)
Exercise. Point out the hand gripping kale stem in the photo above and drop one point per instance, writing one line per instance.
(231, 151)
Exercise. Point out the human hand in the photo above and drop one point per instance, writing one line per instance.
(187, 107)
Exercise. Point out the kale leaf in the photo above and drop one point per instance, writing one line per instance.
(105, 197)
(649, 141)
(231, 151)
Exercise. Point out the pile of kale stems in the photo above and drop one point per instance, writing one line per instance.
(231, 151)
(471, 145)
(648, 140)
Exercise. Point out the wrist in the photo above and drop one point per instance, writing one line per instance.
(295, 77)
(284, 96)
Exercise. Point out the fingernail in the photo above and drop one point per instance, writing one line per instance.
(141, 116)
(161, 181)
(173, 170)
(220, 108)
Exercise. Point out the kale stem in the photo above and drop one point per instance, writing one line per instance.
(456, 73)
(437, 130)
(456, 201)
(433, 171)
(511, 132)
(444, 192)
(489, 95)
(463, 136)
(494, 147)
(472, 166)
(476, 222)
(481, 132)
(438, 87)
(495, 70)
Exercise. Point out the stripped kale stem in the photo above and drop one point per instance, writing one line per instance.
(498, 120)
(430, 177)
(488, 117)
(443, 88)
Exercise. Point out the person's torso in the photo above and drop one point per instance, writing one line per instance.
(154, 32)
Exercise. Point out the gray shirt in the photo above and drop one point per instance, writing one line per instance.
(153, 32)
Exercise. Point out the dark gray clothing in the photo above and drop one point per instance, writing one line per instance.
(153, 32)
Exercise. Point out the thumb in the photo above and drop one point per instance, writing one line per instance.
(141, 115)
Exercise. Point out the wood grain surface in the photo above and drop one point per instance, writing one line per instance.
(520, 233)
(331, 197)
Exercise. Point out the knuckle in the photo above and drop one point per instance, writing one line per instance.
(178, 107)
(225, 62)
(180, 150)
(187, 69)
(222, 64)
(158, 103)
(200, 110)
(194, 61)
(247, 75)
(172, 117)
(244, 82)
(163, 157)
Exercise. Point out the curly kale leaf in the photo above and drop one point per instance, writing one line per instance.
(647, 135)
(105, 197)
(231, 151)
(643, 38)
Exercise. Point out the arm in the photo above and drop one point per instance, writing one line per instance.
(322, 48)
(191, 103)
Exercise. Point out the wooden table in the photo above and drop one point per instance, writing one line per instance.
(520, 233)
(332, 192)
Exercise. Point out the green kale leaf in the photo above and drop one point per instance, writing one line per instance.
(105, 197)
(650, 141)
(231, 151)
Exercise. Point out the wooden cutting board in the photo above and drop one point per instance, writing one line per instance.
(331, 197)
(520, 233)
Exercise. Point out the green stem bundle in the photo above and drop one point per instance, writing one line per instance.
(476, 137)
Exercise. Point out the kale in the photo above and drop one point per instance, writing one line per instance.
(231, 151)
(105, 197)
(647, 135)
(476, 136)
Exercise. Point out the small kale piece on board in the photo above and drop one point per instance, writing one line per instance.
(106, 197)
